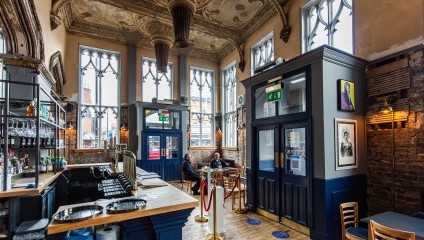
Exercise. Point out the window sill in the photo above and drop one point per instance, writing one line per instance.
(230, 148)
(88, 150)
(202, 148)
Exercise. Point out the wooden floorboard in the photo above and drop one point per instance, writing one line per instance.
(236, 226)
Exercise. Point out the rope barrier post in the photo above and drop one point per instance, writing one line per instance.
(240, 210)
(201, 218)
(214, 235)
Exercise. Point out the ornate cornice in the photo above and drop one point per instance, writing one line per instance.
(57, 70)
(57, 6)
(8, 28)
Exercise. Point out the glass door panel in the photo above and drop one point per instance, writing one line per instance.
(294, 95)
(295, 151)
(266, 150)
(153, 146)
(172, 147)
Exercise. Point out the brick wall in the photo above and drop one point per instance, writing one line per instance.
(407, 193)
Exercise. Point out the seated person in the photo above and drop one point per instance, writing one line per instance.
(217, 162)
(189, 173)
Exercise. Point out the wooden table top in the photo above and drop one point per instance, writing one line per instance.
(159, 200)
(399, 221)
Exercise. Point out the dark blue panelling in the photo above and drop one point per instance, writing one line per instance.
(172, 170)
(169, 225)
(288, 203)
(251, 190)
(328, 194)
(59, 236)
(137, 229)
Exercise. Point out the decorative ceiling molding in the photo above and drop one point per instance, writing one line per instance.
(8, 27)
(267, 12)
(286, 30)
(57, 69)
(126, 21)
(22, 28)
(57, 6)
(32, 28)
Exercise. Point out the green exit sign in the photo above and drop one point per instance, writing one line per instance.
(275, 95)
(163, 118)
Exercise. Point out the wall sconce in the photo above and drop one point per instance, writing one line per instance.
(386, 109)
(69, 125)
(124, 127)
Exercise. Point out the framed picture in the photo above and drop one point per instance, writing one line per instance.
(345, 139)
(345, 95)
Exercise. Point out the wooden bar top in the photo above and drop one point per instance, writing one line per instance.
(44, 178)
(160, 200)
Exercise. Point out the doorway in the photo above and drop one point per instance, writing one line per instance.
(283, 174)
(162, 154)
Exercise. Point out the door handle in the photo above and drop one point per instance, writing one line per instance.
(276, 160)
(282, 163)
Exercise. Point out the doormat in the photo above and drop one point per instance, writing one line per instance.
(253, 221)
(280, 234)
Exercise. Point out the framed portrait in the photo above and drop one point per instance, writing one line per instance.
(345, 95)
(345, 144)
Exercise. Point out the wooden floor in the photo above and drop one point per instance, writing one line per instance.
(236, 226)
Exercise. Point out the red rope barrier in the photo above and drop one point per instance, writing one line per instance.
(203, 196)
(232, 190)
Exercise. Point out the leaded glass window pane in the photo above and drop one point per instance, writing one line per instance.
(2, 50)
(263, 51)
(329, 22)
(201, 107)
(229, 106)
(99, 97)
(155, 84)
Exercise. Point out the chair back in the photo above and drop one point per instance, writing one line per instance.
(348, 216)
(218, 175)
(379, 231)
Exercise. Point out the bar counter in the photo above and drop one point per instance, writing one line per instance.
(45, 178)
(164, 215)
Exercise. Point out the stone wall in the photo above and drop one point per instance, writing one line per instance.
(407, 193)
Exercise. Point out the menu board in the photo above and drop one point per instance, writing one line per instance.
(295, 151)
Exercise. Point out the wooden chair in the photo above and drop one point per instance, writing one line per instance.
(237, 193)
(218, 175)
(378, 231)
(185, 181)
(349, 222)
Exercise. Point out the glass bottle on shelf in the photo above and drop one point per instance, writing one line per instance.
(30, 110)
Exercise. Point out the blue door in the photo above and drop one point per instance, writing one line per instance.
(283, 175)
(295, 172)
(162, 154)
(267, 177)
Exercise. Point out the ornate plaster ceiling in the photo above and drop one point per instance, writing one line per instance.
(218, 27)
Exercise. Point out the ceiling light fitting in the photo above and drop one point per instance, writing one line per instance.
(162, 42)
(182, 14)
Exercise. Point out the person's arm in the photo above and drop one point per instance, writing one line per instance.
(212, 163)
(224, 163)
(185, 166)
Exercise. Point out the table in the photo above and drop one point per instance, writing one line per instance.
(399, 221)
